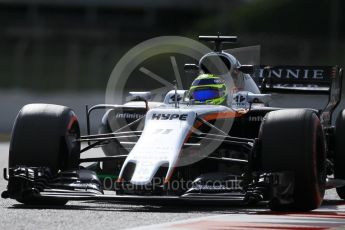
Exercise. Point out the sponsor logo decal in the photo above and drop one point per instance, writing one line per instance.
(163, 116)
(294, 73)
(178, 97)
(129, 115)
(256, 118)
(239, 98)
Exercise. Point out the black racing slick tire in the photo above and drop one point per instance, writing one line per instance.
(339, 151)
(293, 140)
(44, 136)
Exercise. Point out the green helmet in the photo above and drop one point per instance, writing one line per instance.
(208, 89)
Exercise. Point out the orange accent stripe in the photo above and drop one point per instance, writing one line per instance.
(221, 115)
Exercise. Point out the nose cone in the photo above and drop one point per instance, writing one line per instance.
(159, 145)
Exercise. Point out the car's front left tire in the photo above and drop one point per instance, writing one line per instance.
(293, 140)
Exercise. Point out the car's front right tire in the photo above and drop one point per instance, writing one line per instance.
(44, 135)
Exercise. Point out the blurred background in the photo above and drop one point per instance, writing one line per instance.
(63, 51)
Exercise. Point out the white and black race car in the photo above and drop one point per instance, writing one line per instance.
(181, 151)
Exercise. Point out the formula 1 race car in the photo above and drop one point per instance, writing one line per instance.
(185, 149)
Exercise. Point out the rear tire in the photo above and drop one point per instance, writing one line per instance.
(43, 136)
(339, 153)
(293, 140)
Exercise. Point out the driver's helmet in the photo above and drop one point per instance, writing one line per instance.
(208, 89)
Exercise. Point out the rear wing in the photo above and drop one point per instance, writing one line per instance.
(306, 80)
(296, 79)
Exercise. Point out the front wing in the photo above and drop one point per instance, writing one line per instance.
(37, 183)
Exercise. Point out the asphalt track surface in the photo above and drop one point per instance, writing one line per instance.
(105, 215)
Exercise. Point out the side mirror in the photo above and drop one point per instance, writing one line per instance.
(191, 68)
(247, 69)
(141, 96)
